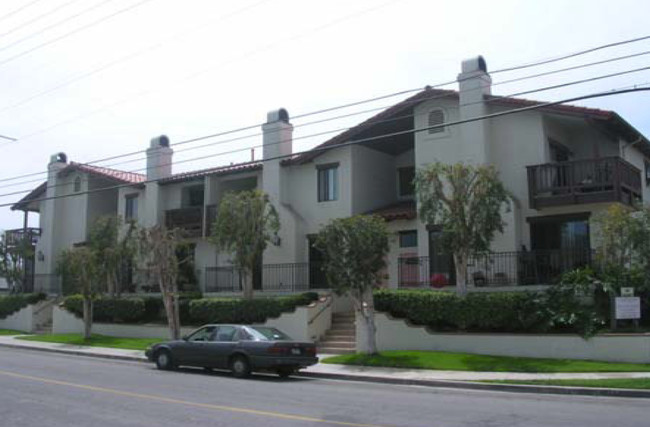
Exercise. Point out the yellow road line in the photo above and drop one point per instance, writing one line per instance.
(185, 402)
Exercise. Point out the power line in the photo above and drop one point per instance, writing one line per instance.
(125, 58)
(634, 40)
(15, 11)
(75, 31)
(371, 139)
(9, 138)
(37, 18)
(419, 100)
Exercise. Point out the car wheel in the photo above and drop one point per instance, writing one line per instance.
(285, 372)
(164, 360)
(240, 367)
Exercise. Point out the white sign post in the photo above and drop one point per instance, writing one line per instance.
(628, 308)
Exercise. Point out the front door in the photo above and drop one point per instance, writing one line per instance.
(317, 278)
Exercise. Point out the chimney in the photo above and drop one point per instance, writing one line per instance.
(474, 83)
(159, 158)
(48, 247)
(277, 146)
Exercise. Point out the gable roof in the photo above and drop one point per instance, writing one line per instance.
(608, 117)
(219, 170)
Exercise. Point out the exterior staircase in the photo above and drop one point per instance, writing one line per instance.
(341, 337)
(42, 316)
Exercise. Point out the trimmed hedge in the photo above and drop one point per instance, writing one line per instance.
(193, 310)
(555, 310)
(231, 310)
(11, 303)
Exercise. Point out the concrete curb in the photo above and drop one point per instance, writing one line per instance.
(462, 385)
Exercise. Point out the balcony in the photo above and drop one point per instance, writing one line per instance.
(290, 277)
(608, 179)
(189, 220)
(19, 235)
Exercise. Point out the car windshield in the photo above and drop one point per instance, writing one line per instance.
(268, 334)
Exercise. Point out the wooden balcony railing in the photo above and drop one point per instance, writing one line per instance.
(607, 179)
(20, 235)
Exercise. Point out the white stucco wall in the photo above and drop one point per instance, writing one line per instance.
(396, 334)
(374, 179)
(22, 320)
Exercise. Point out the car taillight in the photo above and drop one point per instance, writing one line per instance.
(310, 351)
(278, 349)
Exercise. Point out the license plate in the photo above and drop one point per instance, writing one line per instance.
(295, 351)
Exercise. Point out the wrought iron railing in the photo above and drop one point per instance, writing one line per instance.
(539, 267)
(288, 277)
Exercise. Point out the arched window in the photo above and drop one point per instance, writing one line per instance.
(436, 117)
(77, 184)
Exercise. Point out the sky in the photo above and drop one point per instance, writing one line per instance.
(99, 78)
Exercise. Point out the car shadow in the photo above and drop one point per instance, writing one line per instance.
(255, 376)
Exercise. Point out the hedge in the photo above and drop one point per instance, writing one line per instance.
(11, 303)
(550, 311)
(231, 310)
(193, 310)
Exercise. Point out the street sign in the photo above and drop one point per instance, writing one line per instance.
(628, 308)
(627, 292)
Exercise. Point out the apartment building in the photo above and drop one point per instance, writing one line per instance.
(562, 163)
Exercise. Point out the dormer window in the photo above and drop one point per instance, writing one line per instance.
(436, 118)
(77, 184)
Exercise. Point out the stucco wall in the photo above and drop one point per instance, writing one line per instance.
(396, 334)
(374, 179)
(22, 320)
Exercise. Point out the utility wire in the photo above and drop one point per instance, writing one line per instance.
(75, 31)
(370, 139)
(634, 40)
(415, 101)
(37, 18)
(15, 11)
(10, 139)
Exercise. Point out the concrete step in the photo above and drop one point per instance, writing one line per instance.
(336, 350)
(339, 344)
(343, 330)
(339, 337)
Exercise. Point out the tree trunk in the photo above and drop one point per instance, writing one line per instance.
(460, 262)
(369, 320)
(247, 281)
(88, 316)
(172, 315)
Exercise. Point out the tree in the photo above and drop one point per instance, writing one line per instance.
(114, 249)
(466, 202)
(354, 250)
(246, 221)
(158, 249)
(80, 265)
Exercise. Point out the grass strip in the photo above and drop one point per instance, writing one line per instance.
(11, 332)
(480, 363)
(95, 341)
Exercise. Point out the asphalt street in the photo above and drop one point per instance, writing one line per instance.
(46, 389)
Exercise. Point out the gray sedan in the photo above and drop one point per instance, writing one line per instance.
(242, 349)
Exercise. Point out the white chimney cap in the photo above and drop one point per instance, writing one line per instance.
(475, 64)
(59, 158)
(277, 116)
(160, 141)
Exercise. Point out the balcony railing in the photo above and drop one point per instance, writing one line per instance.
(190, 220)
(495, 269)
(19, 235)
(608, 179)
(290, 277)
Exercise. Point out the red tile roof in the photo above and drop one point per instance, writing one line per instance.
(430, 93)
(395, 211)
(219, 170)
(114, 174)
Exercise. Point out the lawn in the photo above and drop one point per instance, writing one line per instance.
(10, 332)
(96, 341)
(476, 362)
(633, 383)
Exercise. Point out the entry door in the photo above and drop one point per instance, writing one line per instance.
(317, 278)
(441, 262)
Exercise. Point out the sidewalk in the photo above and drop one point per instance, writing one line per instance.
(451, 379)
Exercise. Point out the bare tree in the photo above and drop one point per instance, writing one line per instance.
(81, 265)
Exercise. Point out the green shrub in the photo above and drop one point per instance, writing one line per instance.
(11, 303)
(110, 310)
(236, 310)
(559, 309)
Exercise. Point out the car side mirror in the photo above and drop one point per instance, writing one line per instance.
(184, 337)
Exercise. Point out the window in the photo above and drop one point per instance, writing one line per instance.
(647, 172)
(408, 239)
(192, 196)
(406, 177)
(328, 183)
(131, 207)
(203, 334)
(77, 184)
(436, 117)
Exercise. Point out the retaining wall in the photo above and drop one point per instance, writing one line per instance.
(22, 320)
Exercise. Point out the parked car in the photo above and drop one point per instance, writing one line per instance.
(240, 348)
